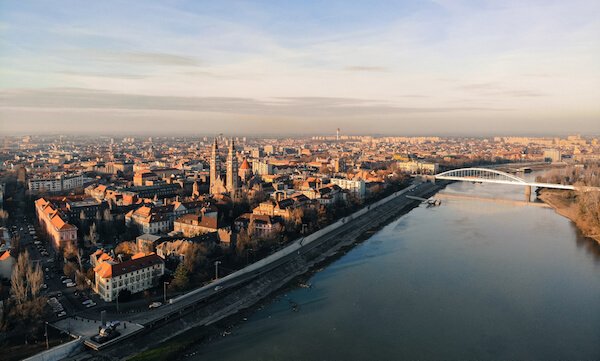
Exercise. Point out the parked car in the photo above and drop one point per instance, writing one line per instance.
(155, 305)
(87, 302)
(67, 280)
(90, 305)
(61, 314)
(71, 284)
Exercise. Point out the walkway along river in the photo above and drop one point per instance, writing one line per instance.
(471, 279)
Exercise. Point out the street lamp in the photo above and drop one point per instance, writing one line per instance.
(46, 334)
(248, 250)
(165, 291)
(217, 263)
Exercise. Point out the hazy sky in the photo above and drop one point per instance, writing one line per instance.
(399, 67)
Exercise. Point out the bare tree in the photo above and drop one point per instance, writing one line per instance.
(194, 257)
(3, 216)
(18, 280)
(70, 250)
(107, 215)
(69, 270)
(93, 235)
(35, 279)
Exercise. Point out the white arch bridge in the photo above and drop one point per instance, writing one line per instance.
(485, 175)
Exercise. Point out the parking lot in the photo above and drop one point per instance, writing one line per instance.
(63, 297)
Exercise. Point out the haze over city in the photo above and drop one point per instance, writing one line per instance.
(231, 180)
(411, 67)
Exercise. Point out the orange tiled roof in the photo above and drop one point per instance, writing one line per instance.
(5, 256)
(245, 165)
(104, 270)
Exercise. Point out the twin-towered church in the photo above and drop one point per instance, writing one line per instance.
(224, 183)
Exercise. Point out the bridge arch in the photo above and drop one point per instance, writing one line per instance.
(483, 174)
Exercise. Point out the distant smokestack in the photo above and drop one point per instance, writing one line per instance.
(337, 134)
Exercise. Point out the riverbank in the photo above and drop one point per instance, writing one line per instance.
(564, 206)
(176, 338)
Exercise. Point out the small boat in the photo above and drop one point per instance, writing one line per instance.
(304, 285)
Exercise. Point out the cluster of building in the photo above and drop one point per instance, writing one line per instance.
(177, 191)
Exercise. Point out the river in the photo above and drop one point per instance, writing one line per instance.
(470, 279)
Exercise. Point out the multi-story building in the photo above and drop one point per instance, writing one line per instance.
(261, 167)
(355, 187)
(159, 219)
(145, 177)
(552, 155)
(138, 274)
(418, 167)
(150, 220)
(55, 224)
(262, 225)
(56, 183)
(191, 225)
(158, 190)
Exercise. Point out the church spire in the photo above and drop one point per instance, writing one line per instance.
(215, 167)
(232, 169)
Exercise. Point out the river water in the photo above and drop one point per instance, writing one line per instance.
(468, 280)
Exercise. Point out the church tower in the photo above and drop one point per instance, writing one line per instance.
(232, 170)
(215, 168)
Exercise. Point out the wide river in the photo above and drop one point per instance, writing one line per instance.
(467, 280)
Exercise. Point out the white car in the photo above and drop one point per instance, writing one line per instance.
(87, 302)
(90, 305)
(67, 280)
(71, 284)
(61, 314)
(155, 305)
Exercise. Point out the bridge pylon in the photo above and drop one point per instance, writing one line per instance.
(528, 193)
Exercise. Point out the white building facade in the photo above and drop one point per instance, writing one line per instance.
(140, 273)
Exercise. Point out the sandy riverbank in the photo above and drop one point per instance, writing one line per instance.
(566, 208)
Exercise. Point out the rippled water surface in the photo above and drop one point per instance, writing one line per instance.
(470, 279)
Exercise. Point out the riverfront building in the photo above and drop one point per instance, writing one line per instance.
(138, 274)
(356, 187)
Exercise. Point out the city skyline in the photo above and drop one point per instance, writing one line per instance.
(414, 68)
